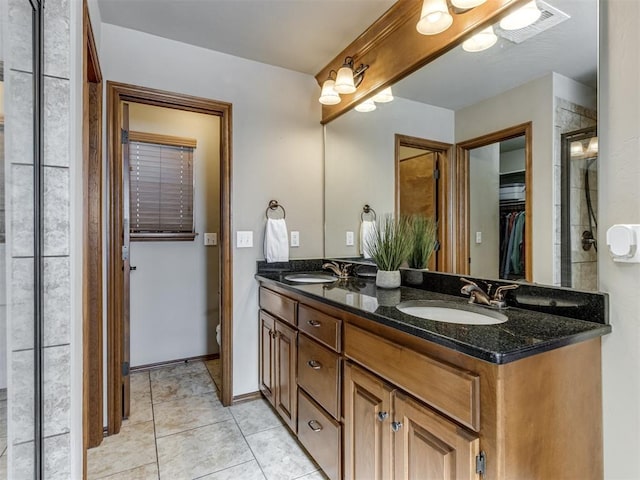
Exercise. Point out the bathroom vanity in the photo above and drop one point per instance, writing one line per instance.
(373, 393)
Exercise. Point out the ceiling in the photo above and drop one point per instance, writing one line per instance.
(304, 35)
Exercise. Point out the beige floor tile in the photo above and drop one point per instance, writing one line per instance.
(3, 467)
(141, 410)
(176, 387)
(201, 451)
(177, 369)
(139, 382)
(279, 455)
(215, 369)
(314, 476)
(255, 416)
(188, 413)
(145, 472)
(247, 471)
(133, 447)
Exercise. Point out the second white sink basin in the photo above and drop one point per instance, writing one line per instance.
(451, 313)
(310, 278)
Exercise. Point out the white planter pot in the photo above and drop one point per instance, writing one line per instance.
(414, 276)
(388, 278)
(388, 297)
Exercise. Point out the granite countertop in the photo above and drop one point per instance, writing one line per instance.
(526, 333)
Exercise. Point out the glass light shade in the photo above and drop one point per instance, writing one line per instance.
(523, 17)
(464, 4)
(434, 18)
(384, 96)
(344, 80)
(366, 106)
(593, 145)
(480, 41)
(329, 96)
(577, 149)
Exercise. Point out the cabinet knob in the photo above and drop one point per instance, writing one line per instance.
(314, 364)
(314, 425)
(395, 426)
(314, 323)
(382, 416)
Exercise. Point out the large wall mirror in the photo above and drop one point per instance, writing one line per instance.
(542, 80)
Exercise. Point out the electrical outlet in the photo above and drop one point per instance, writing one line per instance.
(350, 239)
(295, 239)
(244, 239)
(478, 237)
(210, 239)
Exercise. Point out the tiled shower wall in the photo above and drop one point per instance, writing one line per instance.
(19, 172)
(584, 268)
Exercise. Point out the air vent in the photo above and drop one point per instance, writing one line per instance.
(550, 17)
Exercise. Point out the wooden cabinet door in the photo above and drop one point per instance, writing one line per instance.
(286, 394)
(267, 356)
(367, 426)
(427, 446)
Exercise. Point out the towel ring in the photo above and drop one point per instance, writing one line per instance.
(274, 205)
(367, 210)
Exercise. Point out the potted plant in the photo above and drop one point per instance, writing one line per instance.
(424, 232)
(389, 245)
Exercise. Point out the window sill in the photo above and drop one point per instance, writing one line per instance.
(162, 237)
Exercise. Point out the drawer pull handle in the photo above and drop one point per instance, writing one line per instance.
(314, 323)
(382, 416)
(314, 364)
(395, 426)
(314, 425)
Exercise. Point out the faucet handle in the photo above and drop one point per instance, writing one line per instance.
(464, 280)
(498, 295)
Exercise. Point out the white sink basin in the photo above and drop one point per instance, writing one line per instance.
(311, 278)
(451, 313)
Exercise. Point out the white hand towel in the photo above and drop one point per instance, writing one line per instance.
(367, 227)
(276, 241)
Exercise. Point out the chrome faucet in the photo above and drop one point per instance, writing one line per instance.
(477, 295)
(342, 271)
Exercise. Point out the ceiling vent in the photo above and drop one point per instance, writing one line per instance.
(550, 17)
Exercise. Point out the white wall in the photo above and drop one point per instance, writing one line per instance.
(530, 102)
(174, 289)
(484, 211)
(359, 163)
(277, 152)
(619, 202)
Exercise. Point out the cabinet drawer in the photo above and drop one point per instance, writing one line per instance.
(278, 305)
(320, 434)
(319, 374)
(453, 391)
(322, 327)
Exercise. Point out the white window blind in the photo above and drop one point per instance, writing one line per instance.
(161, 187)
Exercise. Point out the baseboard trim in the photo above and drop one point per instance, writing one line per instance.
(152, 366)
(246, 397)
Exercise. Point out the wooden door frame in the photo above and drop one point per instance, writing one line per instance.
(462, 196)
(116, 94)
(445, 203)
(92, 315)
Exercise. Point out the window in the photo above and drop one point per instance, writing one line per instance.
(161, 187)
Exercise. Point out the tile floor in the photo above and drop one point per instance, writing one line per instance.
(178, 429)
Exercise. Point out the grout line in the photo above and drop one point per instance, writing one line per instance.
(195, 428)
(153, 417)
(123, 471)
(224, 469)
(244, 437)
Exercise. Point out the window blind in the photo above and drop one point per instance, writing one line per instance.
(161, 188)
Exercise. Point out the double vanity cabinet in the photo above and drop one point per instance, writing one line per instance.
(370, 401)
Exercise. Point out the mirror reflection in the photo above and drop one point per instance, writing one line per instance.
(544, 75)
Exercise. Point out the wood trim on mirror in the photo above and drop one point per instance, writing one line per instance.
(444, 209)
(393, 48)
(461, 211)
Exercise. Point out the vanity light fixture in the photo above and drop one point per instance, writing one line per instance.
(466, 4)
(384, 96)
(482, 40)
(434, 17)
(523, 17)
(366, 106)
(577, 150)
(328, 95)
(593, 145)
(348, 79)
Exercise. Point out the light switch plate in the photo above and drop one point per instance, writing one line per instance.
(210, 239)
(244, 239)
(295, 239)
(478, 237)
(350, 239)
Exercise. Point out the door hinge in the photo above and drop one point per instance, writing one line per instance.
(124, 136)
(437, 246)
(125, 369)
(125, 253)
(436, 174)
(481, 463)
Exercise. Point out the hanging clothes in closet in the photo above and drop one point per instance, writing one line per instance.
(512, 244)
